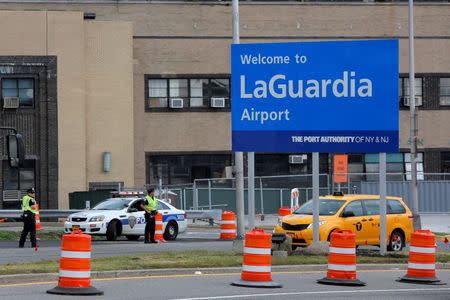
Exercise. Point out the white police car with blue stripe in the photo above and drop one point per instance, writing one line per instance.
(116, 217)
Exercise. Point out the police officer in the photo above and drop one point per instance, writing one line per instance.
(29, 209)
(150, 206)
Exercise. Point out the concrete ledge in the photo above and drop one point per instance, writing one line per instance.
(53, 277)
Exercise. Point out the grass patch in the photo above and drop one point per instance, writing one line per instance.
(15, 235)
(194, 259)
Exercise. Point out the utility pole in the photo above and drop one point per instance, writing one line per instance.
(239, 156)
(413, 120)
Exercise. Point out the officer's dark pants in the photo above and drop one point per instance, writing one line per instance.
(149, 227)
(29, 226)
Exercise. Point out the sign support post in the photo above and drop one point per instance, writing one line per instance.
(382, 168)
(251, 189)
(316, 201)
(239, 156)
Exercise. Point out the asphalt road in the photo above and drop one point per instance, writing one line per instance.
(380, 285)
(50, 250)
(194, 239)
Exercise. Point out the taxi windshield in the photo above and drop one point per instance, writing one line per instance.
(112, 204)
(326, 207)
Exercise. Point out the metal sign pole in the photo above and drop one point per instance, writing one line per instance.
(251, 189)
(316, 202)
(239, 156)
(382, 168)
(412, 116)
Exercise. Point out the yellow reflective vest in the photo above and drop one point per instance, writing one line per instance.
(151, 204)
(26, 204)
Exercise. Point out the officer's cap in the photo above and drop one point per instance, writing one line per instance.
(31, 191)
(150, 190)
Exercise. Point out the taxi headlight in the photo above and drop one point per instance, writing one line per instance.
(97, 219)
(320, 224)
(68, 219)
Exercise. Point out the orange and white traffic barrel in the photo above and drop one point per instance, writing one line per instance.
(38, 219)
(342, 259)
(422, 258)
(75, 266)
(159, 225)
(228, 226)
(257, 261)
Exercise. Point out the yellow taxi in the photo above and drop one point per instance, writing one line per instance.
(359, 213)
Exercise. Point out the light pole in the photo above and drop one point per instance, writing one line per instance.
(413, 119)
(239, 156)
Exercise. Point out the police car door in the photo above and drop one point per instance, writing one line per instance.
(136, 220)
(164, 210)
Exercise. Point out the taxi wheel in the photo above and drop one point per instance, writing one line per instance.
(111, 231)
(396, 241)
(171, 231)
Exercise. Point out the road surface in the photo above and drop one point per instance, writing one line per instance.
(381, 284)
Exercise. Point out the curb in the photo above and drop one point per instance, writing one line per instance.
(47, 277)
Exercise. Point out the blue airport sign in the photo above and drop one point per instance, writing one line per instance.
(315, 97)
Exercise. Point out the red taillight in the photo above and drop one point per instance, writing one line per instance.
(411, 217)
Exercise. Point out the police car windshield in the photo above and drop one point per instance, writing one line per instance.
(326, 207)
(112, 204)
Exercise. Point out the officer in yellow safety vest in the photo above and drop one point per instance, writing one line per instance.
(150, 205)
(29, 207)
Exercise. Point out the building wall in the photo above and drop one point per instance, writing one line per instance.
(94, 92)
(109, 106)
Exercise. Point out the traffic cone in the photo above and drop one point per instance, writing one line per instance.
(159, 225)
(37, 226)
(421, 259)
(38, 220)
(75, 266)
(342, 260)
(257, 261)
(228, 226)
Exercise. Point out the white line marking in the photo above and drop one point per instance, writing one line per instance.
(313, 293)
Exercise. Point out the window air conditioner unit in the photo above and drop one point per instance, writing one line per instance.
(298, 159)
(176, 103)
(218, 102)
(406, 101)
(10, 102)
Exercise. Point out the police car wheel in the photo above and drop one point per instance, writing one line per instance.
(111, 231)
(171, 231)
(132, 237)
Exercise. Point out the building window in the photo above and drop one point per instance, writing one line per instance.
(394, 165)
(419, 166)
(188, 93)
(18, 179)
(356, 166)
(444, 91)
(445, 165)
(403, 91)
(185, 168)
(23, 88)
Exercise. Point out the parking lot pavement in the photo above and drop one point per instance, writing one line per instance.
(380, 284)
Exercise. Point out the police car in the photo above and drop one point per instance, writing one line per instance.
(122, 215)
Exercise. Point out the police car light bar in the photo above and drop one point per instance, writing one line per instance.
(126, 194)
